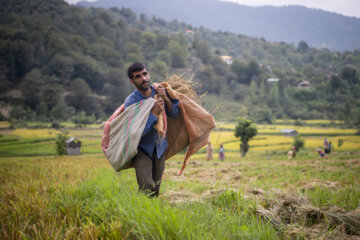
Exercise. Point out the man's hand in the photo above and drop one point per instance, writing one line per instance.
(161, 92)
(158, 106)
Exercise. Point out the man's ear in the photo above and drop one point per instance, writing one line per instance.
(132, 81)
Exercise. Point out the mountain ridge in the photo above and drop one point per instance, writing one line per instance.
(292, 24)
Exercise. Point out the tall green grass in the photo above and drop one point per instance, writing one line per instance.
(107, 199)
(109, 207)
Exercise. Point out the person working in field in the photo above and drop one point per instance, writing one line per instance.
(154, 123)
(321, 153)
(221, 152)
(209, 151)
(292, 153)
(326, 146)
(149, 163)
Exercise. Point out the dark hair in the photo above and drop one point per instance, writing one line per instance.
(135, 67)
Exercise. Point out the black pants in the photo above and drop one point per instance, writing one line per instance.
(149, 172)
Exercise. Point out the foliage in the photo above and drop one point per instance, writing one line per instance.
(340, 142)
(298, 122)
(82, 119)
(60, 144)
(244, 130)
(299, 143)
(55, 124)
(77, 59)
(85, 198)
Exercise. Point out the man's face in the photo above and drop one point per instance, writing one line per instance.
(141, 79)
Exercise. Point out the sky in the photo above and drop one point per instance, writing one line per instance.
(349, 8)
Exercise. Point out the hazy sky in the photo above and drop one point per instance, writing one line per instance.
(344, 7)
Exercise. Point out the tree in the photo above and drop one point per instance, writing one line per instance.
(148, 42)
(178, 54)
(299, 143)
(161, 42)
(60, 144)
(244, 130)
(303, 47)
(209, 81)
(30, 94)
(252, 92)
(350, 75)
(80, 93)
(203, 51)
(239, 69)
(159, 69)
(219, 66)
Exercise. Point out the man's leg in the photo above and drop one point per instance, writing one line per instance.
(157, 171)
(143, 167)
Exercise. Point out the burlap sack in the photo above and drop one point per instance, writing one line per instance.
(125, 133)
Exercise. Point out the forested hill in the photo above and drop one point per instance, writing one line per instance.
(291, 24)
(59, 61)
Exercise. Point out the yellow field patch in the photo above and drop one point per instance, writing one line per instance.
(4, 124)
(96, 132)
(35, 133)
(225, 125)
(304, 129)
(315, 121)
(265, 128)
(218, 138)
(278, 142)
(350, 142)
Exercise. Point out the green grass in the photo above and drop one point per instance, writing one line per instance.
(108, 206)
(43, 196)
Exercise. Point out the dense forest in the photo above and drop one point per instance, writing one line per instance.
(59, 62)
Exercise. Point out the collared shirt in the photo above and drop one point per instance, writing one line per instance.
(150, 140)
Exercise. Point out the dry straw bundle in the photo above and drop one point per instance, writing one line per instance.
(183, 86)
(294, 215)
(180, 85)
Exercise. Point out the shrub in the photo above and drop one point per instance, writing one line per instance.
(60, 144)
(299, 143)
(298, 122)
(55, 124)
(244, 130)
(81, 119)
(2, 117)
(340, 142)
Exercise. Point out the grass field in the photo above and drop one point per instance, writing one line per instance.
(261, 196)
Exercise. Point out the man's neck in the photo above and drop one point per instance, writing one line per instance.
(146, 93)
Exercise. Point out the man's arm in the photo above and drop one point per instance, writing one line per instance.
(171, 104)
(152, 120)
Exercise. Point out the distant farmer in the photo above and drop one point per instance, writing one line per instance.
(149, 163)
(155, 123)
(292, 153)
(221, 153)
(209, 151)
(326, 145)
(321, 153)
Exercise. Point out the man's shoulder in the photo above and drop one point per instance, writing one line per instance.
(131, 99)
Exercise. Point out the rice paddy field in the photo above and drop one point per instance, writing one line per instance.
(261, 196)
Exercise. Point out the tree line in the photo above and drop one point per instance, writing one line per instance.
(59, 61)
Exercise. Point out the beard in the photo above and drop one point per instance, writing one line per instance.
(143, 86)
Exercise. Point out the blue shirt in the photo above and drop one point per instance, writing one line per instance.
(150, 140)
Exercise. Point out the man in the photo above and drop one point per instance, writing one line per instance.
(149, 162)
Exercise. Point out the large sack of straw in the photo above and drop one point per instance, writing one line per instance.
(190, 129)
(124, 133)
